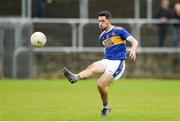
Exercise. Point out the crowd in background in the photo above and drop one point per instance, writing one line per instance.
(164, 14)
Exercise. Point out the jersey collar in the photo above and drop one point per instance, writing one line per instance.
(110, 29)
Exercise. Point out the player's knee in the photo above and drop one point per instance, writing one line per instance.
(100, 85)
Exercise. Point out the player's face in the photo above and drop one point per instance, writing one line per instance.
(103, 22)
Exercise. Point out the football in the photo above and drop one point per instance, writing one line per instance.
(38, 39)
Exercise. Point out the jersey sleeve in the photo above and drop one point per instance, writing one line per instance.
(124, 34)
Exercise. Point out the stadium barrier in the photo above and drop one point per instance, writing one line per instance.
(23, 28)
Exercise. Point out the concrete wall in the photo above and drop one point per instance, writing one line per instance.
(161, 65)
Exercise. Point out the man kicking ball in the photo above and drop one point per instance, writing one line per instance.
(112, 66)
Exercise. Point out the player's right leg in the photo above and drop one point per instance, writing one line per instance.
(95, 68)
(69, 75)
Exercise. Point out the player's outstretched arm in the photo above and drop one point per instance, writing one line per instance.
(132, 49)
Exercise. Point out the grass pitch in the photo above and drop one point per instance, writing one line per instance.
(60, 100)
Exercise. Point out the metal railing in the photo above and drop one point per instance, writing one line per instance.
(77, 26)
(78, 45)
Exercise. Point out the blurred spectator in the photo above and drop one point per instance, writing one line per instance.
(163, 14)
(176, 28)
(41, 4)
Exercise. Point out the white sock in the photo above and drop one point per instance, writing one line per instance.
(77, 77)
(105, 105)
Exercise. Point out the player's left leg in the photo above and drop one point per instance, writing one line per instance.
(114, 71)
(102, 88)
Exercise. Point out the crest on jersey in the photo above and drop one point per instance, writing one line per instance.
(113, 33)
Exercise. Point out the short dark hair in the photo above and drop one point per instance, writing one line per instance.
(107, 14)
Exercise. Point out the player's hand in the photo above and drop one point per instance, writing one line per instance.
(132, 53)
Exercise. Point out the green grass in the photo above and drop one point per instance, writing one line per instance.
(59, 100)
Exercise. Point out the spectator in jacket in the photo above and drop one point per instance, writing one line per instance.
(163, 14)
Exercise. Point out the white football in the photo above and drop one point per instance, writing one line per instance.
(38, 39)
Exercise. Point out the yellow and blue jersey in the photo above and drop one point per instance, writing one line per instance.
(114, 42)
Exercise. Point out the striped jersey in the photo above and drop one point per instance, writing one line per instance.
(114, 41)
